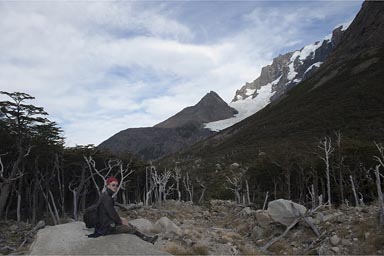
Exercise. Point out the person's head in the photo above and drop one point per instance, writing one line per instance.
(112, 183)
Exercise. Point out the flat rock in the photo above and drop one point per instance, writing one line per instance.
(71, 239)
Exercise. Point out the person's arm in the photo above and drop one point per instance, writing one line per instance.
(108, 203)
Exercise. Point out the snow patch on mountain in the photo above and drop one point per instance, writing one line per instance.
(246, 107)
(317, 64)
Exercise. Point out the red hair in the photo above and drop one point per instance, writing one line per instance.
(111, 179)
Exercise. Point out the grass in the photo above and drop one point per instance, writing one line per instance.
(175, 249)
(200, 249)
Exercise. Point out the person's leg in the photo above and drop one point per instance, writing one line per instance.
(129, 229)
(126, 229)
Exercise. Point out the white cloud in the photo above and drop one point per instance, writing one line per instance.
(101, 67)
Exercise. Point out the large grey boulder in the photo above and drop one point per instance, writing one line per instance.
(143, 225)
(285, 211)
(167, 226)
(71, 239)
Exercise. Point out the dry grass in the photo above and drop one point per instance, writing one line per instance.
(193, 234)
(248, 250)
(200, 249)
(175, 249)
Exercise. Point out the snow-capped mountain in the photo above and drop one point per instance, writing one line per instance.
(275, 80)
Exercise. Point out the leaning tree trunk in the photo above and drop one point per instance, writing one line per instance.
(380, 196)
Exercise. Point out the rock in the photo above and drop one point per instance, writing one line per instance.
(285, 211)
(257, 233)
(335, 240)
(167, 226)
(71, 239)
(13, 227)
(346, 242)
(319, 216)
(314, 220)
(263, 218)
(332, 216)
(142, 225)
(246, 211)
(335, 249)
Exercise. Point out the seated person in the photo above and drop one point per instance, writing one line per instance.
(109, 220)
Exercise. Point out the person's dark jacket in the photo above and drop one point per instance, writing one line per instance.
(108, 217)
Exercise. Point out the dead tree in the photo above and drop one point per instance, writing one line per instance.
(326, 147)
(265, 200)
(235, 184)
(340, 164)
(203, 188)
(152, 186)
(380, 159)
(161, 181)
(177, 177)
(354, 191)
(103, 173)
(188, 186)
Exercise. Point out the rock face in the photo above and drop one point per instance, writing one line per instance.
(71, 239)
(177, 132)
(285, 211)
(289, 69)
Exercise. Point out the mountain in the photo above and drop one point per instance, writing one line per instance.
(345, 94)
(177, 132)
(286, 71)
(210, 108)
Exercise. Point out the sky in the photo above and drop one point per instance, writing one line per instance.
(99, 67)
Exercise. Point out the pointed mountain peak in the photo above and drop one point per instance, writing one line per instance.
(210, 108)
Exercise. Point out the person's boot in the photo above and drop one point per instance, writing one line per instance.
(150, 239)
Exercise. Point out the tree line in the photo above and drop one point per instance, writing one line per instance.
(40, 178)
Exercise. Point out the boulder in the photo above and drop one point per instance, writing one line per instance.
(263, 218)
(167, 226)
(335, 240)
(71, 239)
(142, 225)
(257, 233)
(285, 211)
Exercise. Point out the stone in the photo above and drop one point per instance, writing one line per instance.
(346, 242)
(263, 218)
(332, 216)
(13, 227)
(335, 249)
(71, 239)
(246, 211)
(285, 211)
(142, 225)
(335, 240)
(257, 233)
(167, 226)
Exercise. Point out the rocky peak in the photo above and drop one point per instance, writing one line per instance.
(289, 69)
(210, 108)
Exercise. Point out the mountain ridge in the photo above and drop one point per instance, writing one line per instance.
(179, 131)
